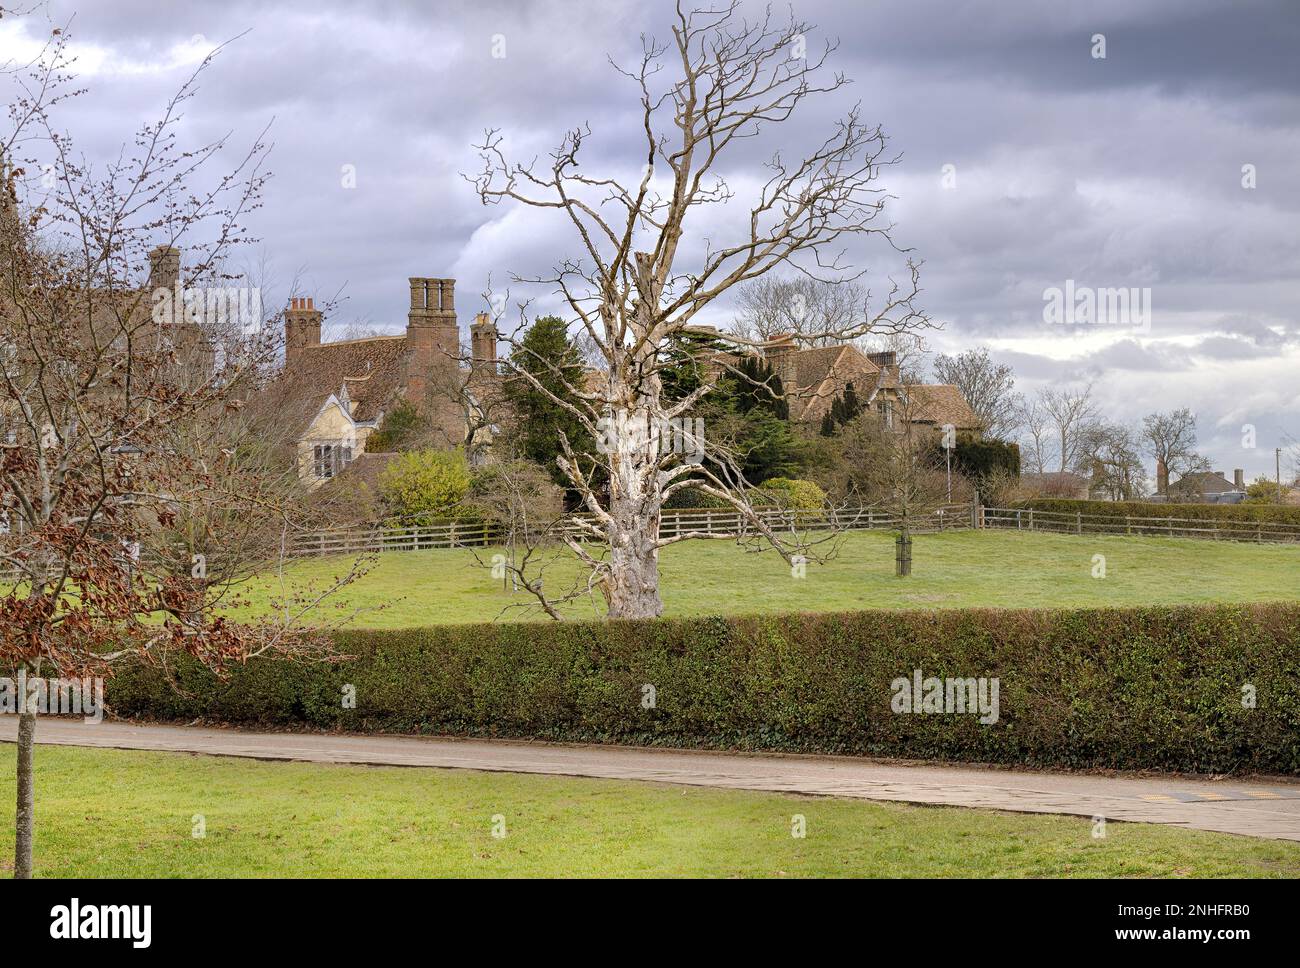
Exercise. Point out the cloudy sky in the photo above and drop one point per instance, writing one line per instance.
(1122, 171)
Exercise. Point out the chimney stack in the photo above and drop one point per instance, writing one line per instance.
(483, 342)
(164, 267)
(432, 333)
(1239, 479)
(301, 328)
(1162, 478)
(779, 353)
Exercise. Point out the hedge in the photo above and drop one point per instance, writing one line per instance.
(1280, 514)
(1141, 688)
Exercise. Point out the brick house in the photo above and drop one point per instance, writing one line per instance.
(341, 390)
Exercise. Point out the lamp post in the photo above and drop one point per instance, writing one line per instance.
(949, 441)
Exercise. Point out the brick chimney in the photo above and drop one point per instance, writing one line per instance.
(164, 267)
(432, 333)
(301, 328)
(1162, 478)
(483, 342)
(779, 353)
(1239, 479)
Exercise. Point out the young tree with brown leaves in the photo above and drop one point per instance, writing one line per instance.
(132, 495)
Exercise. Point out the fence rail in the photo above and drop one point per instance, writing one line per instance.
(720, 522)
(672, 524)
(1076, 522)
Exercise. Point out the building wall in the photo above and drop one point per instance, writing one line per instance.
(332, 426)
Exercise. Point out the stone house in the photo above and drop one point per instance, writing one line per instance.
(814, 377)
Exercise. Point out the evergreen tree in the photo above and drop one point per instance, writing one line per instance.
(551, 357)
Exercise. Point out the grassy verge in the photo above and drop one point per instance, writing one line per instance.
(111, 813)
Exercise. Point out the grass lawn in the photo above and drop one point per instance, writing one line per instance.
(964, 568)
(114, 813)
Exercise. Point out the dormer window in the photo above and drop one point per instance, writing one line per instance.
(328, 460)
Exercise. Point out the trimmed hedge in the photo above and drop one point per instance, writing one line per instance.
(1144, 688)
(1279, 514)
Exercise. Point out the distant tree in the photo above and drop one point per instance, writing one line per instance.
(819, 310)
(404, 427)
(1170, 438)
(988, 387)
(1265, 491)
(1056, 423)
(1113, 451)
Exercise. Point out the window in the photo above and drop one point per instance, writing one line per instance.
(330, 459)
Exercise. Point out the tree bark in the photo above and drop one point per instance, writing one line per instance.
(635, 504)
(632, 588)
(25, 816)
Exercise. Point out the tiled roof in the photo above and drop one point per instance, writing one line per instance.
(373, 370)
(1203, 482)
(822, 373)
(941, 403)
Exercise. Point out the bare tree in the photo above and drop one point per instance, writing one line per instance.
(988, 387)
(632, 290)
(1071, 413)
(1036, 435)
(1170, 439)
(818, 309)
(1113, 451)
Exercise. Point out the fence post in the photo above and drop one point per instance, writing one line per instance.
(453, 534)
(1031, 519)
(1128, 524)
(1078, 522)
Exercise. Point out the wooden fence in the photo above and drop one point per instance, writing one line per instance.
(1076, 522)
(703, 521)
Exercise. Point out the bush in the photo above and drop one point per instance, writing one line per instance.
(980, 458)
(690, 497)
(1136, 688)
(790, 494)
(1139, 509)
(424, 487)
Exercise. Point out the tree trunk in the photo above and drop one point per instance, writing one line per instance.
(635, 503)
(25, 816)
(632, 588)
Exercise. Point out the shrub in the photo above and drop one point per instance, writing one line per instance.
(1134, 688)
(791, 494)
(690, 497)
(426, 486)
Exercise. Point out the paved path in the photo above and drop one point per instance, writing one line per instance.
(1258, 809)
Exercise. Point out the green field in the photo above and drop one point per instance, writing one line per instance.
(113, 813)
(956, 569)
